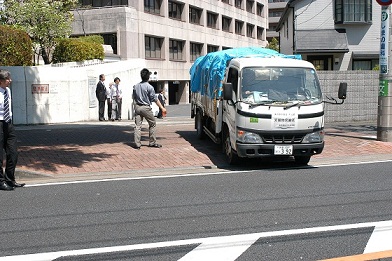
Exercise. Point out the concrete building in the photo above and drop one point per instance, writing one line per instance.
(275, 11)
(332, 34)
(171, 34)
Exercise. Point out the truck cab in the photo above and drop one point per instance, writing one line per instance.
(276, 108)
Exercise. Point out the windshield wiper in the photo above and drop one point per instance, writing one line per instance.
(293, 105)
(253, 105)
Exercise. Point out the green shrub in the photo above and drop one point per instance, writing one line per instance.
(92, 38)
(77, 50)
(16, 47)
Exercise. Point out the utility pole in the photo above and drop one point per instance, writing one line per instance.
(384, 114)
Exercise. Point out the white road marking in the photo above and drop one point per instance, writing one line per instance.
(212, 242)
(221, 249)
(380, 240)
(190, 174)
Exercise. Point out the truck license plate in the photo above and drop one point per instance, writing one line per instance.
(283, 150)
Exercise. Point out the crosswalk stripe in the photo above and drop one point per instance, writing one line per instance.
(380, 240)
(221, 249)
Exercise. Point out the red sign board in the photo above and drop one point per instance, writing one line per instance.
(40, 88)
(384, 2)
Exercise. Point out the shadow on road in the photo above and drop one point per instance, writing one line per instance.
(214, 152)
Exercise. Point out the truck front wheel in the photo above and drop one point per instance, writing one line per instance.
(231, 156)
(302, 160)
(199, 125)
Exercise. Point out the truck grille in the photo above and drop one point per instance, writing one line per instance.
(283, 139)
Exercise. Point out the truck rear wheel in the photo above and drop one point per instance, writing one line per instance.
(302, 160)
(231, 156)
(199, 126)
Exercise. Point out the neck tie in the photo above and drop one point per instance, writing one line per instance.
(7, 115)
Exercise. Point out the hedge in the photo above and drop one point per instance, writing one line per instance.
(78, 49)
(16, 47)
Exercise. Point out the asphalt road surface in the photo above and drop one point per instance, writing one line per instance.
(272, 214)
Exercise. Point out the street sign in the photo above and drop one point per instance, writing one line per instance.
(384, 2)
(384, 40)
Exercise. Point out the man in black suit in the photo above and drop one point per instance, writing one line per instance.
(101, 96)
(7, 135)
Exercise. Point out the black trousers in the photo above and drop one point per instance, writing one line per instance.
(9, 146)
(101, 109)
(109, 102)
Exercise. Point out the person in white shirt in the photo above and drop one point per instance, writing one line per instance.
(108, 100)
(8, 144)
(116, 99)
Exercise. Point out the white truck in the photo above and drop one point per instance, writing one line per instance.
(257, 102)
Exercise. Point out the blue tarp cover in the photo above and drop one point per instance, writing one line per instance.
(209, 70)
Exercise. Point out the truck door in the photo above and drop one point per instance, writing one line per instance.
(229, 107)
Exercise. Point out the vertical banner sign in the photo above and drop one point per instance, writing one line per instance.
(384, 38)
(384, 51)
(92, 85)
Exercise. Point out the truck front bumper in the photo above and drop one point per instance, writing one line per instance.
(260, 150)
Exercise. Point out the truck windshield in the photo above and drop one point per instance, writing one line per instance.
(266, 85)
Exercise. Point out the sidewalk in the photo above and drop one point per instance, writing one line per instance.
(91, 150)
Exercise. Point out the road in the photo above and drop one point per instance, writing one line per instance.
(168, 217)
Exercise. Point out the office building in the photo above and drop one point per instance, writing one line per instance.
(170, 34)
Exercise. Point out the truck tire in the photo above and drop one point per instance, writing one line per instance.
(231, 155)
(199, 124)
(302, 160)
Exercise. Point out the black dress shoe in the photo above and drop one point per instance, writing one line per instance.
(5, 186)
(16, 184)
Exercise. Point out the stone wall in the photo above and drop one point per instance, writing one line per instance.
(362, 95)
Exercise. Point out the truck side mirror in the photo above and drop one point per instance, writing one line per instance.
(228, 91)
(342, 90)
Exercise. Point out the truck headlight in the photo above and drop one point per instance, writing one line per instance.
(314, 137)
(248, 137)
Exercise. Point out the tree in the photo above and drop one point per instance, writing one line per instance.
(16, 47)
(274, 45)
(43, 20)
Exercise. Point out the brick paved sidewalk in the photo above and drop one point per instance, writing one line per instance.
(105, 149)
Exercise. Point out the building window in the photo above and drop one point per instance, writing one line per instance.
(353, 11)
(175, 10)
(272, 27)
(212, 20)
(196, 50)
(249, 6)
(250, 30)
(365, 64)
(275, 13)
(226, 48)
(239, 27)
(110, 39)
(176, 49)
(238, 3)
(260, 10)
(152, 6)
(226, 23)
(260, 33)
(194, 15)
(153, 47)
(226, 1)
(322, 63)
(212, 48)
(103, 3)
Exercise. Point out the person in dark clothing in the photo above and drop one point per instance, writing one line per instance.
(7, 136)
(162, 99)
(101, 96)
